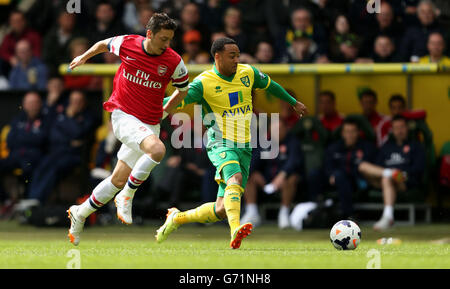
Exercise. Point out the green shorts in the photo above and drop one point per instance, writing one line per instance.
(229, 161)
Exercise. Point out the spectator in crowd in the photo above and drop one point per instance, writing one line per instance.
(19, 31)
(328, 114)
(68, 134)
(77, 47)
(341, 168)
(340, 31)
(192, 46)
(105, 25)
(368, 100)
(384, 50)
(414, 42)
(386, 24)
(302, 50)
(264, 52)
(348, 49)
(302, 25)
(212, 12)
(232, 21)
(397, 106)
(408, 11)
(436, 47)
(144, 16)
(399, 166)
(190, 20)
(28, 72)
(55, 99)
(136, 16)
(56, 42)
(26, 139)
(281, 173)
(323, 11)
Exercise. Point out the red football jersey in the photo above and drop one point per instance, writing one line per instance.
(141, 80)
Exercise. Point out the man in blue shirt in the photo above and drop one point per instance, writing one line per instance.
(30, 72)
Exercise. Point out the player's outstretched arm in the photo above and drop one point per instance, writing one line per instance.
(97, 48)
(194, 95)
(174, 100)
(277, 90)
(263, 81)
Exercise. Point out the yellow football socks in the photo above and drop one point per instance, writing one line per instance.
(232, 203)
(203, 214)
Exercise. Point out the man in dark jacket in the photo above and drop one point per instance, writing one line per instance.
(68, 133)
(341, 168)
(399, 166)
(280, 173)
(342, 161)
(414, 42)
(27, 137)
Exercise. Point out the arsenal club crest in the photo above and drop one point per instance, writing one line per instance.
(162, 69)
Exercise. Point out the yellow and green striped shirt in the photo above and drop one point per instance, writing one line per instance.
(227, 102)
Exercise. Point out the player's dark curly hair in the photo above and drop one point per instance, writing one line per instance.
(161, 21)
(219, 44)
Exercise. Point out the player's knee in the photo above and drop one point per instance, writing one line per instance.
(158, 152)
(220, 210)
(155, 149)
(235, 179)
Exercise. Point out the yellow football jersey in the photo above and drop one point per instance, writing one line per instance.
(227, 102)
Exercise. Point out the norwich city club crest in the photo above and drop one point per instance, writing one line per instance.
(245, 80)
(223, 155)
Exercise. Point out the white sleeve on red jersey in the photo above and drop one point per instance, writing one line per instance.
(114, 44)
(180, 77)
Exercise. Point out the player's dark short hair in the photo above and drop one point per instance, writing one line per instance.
(399, 98)
(368, 92)
(328, 93)
(399, 117)
(161, 21)
(219, 44)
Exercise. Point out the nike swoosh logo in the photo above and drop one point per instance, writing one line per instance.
(129, 58)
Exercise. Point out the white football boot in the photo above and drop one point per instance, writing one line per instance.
(76, 225)
(124, 206)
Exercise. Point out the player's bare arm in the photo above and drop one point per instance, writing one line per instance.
(97, 48)
(174, 100)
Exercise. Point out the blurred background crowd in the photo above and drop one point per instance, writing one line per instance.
(53, 151)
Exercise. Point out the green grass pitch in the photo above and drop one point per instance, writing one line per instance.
(197, 247)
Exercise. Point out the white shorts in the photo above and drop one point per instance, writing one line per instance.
(130, 131)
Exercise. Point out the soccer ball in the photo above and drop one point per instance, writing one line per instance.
(345, 235)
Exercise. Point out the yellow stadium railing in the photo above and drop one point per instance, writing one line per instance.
(350, 68)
